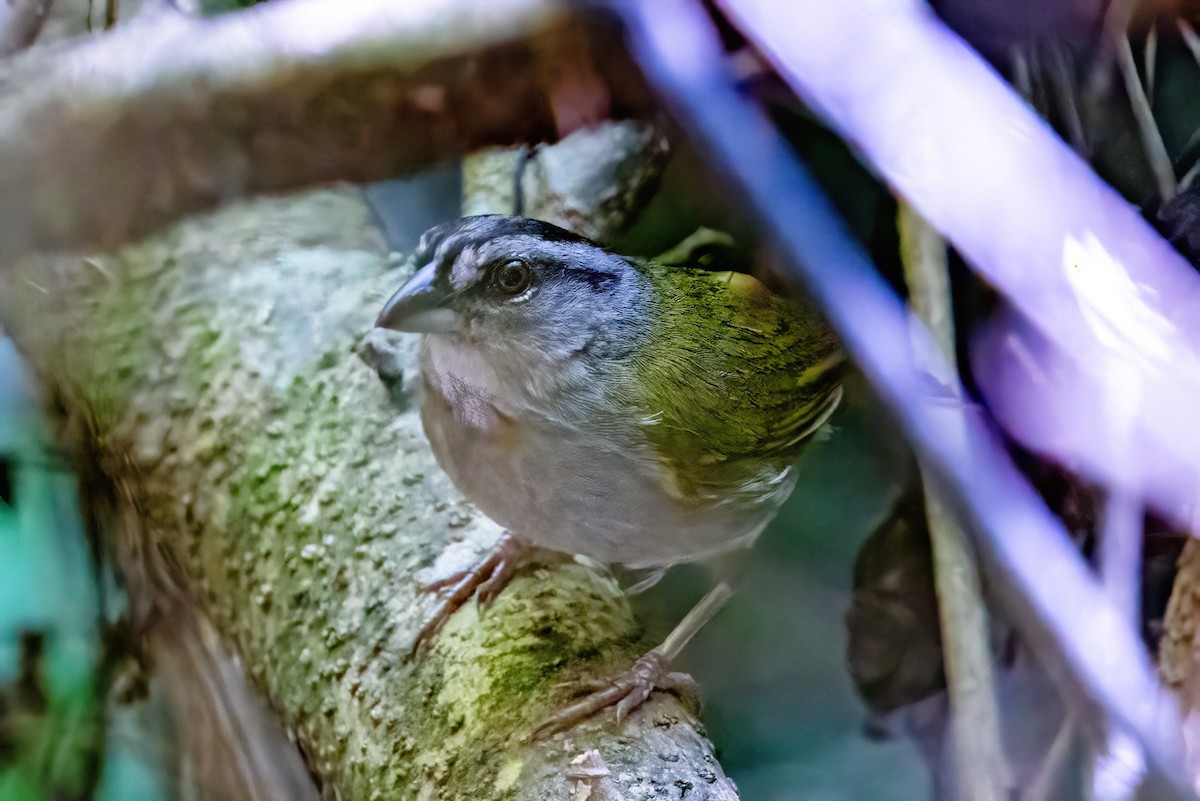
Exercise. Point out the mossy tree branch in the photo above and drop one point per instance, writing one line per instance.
(298, 499)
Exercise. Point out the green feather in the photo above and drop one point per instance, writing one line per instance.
(734, 380)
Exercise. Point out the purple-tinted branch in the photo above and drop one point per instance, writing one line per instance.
(1098, 365)
(1059, 607)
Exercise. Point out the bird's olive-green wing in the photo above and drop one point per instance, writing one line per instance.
(733, 381)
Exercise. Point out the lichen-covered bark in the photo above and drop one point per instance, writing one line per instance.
(586, 182)
(294, 494)
(1179, 650)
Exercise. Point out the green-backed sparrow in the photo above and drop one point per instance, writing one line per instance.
(631, 411)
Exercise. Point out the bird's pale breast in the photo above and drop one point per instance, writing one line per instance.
(568, 487)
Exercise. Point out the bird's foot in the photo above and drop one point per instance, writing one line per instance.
(484, 580)
(651, 672)
(626, 692)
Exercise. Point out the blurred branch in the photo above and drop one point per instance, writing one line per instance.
(975, 721)
(927, 273)
(1118, 764)
(1059, 74)
(20, 23)
(1120, 554)
(119, 134)
(1117, 15)
(1057, 606)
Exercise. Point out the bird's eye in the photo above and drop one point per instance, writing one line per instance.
(513, 277)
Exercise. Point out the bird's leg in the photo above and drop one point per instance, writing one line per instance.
(653, 671)
(484, 580)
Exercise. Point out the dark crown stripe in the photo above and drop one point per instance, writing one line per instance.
(490, 226)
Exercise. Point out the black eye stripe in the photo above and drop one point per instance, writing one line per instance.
(447, 243)
(598, 280)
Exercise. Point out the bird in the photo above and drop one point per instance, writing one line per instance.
(633, 411)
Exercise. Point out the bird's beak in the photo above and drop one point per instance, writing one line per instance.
(419, 306)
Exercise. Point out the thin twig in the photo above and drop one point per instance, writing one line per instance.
(1049, 774)
(1118, 762)
(1062, 83)
(1189, 177)
(1120, 557)
(1150, 62)
(700, 614)
(1115, 25)
(1190, 37)
(1152, 143)
(1192, 41)
(975, 720)
(927, 272)
(1022, 80)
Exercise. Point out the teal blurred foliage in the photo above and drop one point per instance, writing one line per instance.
(54, 669)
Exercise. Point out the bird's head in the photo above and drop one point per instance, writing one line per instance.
(514, 283)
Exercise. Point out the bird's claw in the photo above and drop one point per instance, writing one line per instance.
(484, 580)
(626, 692)
(578, 687)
